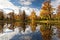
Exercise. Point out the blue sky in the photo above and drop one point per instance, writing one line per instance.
(27, 5)
(34, 3)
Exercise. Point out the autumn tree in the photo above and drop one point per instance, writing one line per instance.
(11, 14)
(17, 17)
(33, 21)
(58, 12)
(54, 17)
(46, 10)
(21, 20)
(1, 14)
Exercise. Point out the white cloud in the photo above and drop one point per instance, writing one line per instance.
(28, 10)
(26, 2)
(55, 3)
(7, 4)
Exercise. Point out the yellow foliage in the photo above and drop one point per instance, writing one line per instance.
(46, 34)
(33, 15)
(17, 24)
(33, 28)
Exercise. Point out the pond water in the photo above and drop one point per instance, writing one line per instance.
(23, 31)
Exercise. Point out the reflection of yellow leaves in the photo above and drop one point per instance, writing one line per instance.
(33, 28)
(17, 24)
(58, 30)
(42, 28)
(46, 34)
(58, 26)
(1, 27)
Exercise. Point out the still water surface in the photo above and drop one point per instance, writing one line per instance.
(23, 31)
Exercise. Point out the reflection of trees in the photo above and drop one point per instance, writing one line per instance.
(20, 20)
(33, 20)
(17, 24)
(23, 20)
(58, 26)
(11, 26)
(58, 30)
(46, 32)
(1, 27)
(1, 15)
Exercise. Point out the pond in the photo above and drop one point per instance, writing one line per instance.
(30, 31)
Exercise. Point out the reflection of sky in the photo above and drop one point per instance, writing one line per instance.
(27, 30)
(31, 36)
(27, 34)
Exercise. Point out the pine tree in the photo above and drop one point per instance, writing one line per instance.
(23, 20)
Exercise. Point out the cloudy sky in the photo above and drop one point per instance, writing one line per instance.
(27, 5)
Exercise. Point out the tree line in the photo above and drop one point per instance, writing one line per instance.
(46, 13)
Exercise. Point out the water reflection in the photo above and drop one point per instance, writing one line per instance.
(47, 30)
